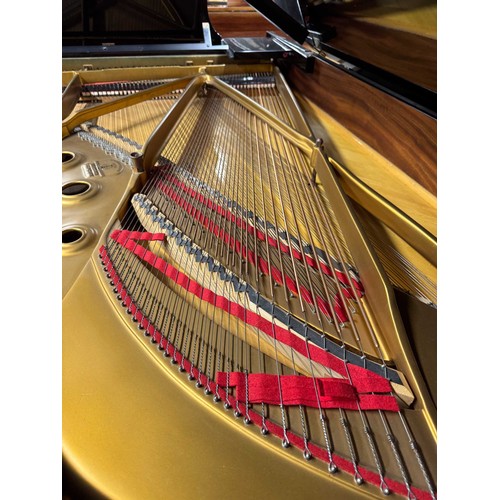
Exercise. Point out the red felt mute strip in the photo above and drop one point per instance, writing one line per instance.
(227, 214)
(232, 308)
(363, 379)
(139, 235)
(264, 267)
(291, 390)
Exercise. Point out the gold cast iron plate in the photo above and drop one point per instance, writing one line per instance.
(135, 428)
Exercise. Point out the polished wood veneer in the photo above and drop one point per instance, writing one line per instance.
(407, 55)
(402, 134)
(239, 19)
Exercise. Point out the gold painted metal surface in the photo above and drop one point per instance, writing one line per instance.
(133, 426)
(71, 123)
(391, 334)
(94, 211)
(71, 95)
(158, 139)
(414, 234)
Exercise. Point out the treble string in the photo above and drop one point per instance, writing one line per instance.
(190, 160)
(243, 237)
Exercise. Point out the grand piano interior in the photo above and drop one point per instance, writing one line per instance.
(249, 249)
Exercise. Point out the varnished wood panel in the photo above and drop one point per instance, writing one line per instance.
(410, 56)
(239, 4)
(239, 19)
(413, 16)
(402, 134)
(239, 23)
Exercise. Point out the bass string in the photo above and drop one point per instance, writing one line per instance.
(324, 423)
(290, 203)
(261, 176)
(345, 424)
(281, 179)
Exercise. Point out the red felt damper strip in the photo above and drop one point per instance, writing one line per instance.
(141, 236)
(227, 214)
(262, 264)
(274, 331)
(275, 429)
(292, 390)
(270, 329)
